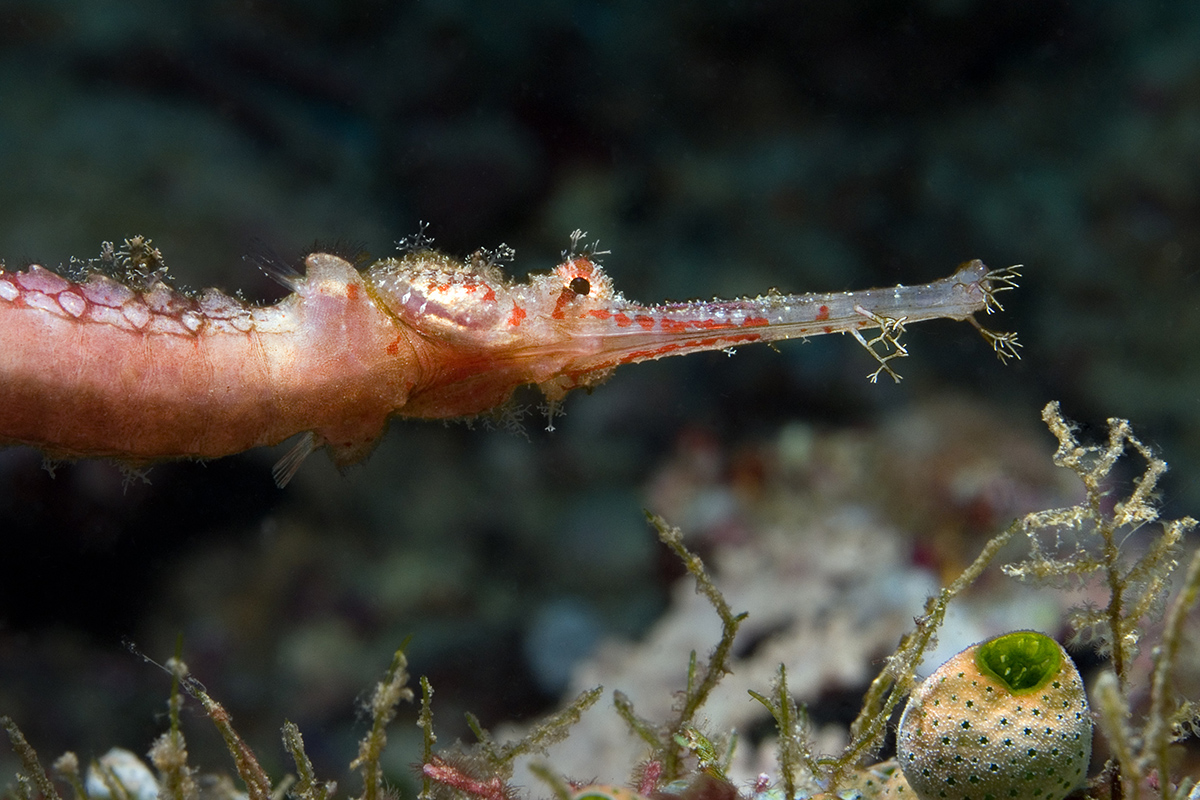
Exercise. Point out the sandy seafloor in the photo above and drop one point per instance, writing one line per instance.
(715, 149)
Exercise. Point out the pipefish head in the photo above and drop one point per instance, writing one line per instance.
(482, 335)
(446, 299)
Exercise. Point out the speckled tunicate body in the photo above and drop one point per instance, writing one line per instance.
(1006, 719)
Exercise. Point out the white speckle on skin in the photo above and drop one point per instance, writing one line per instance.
(137, 314)
(72, 303)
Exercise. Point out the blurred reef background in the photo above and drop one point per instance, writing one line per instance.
(716, 149)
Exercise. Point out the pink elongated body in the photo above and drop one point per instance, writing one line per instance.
(136, 371)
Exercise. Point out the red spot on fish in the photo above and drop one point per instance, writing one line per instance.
(672, 325)
(646, 322)
(599, 313)
(822, 313)
(582, 266)
(680, 326)
(518, 314)
(622, 320)
(642, 355)
(394, 347)
(754, 322)
(564, 297)
(351, 291)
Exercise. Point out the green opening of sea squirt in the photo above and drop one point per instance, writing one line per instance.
(1022, 661)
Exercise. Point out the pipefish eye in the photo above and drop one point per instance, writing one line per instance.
(580, 286)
